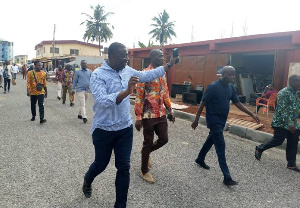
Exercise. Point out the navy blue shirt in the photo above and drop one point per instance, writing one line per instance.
(217, 97)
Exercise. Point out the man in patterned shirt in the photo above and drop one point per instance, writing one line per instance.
(33, 78)
(151, 99)
(67, 83)
(285, 123)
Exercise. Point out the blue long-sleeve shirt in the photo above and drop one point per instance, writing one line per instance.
(81, 80)
(106, 84)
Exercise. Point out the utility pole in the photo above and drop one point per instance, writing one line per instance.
(53, 47)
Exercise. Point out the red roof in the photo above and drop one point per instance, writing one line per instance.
(66, 42)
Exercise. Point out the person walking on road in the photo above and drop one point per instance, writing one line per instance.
(37, 90)
(24, 71)
(81, 83)
(112, 127)
(7, 76)
(285, 123)
(67, 84)
(216, 100)
(15, 70)
(151, 99)
(59, 77)
(1, 74)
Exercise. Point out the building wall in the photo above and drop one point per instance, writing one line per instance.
(64, 50)
(199, 60)
(21, 59)
(6, 51)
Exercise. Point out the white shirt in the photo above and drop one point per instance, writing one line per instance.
(15, 69)
(1, 70)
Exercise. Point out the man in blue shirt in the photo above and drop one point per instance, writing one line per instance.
(216, 100)
(112, 128)
(82, 84)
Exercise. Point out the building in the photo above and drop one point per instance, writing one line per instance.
(259, 60)
(6, 50)
(21, 59)
(64, 51)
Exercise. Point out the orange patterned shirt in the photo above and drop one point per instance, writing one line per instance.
(151, 97)
(31, 83)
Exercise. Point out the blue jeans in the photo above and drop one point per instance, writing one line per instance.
(121, 142)
(216, 138)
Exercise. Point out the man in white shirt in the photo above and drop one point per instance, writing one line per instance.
(15, 70)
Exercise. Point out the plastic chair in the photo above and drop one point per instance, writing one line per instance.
(271, 102)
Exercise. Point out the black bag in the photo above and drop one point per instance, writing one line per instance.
(39, 86)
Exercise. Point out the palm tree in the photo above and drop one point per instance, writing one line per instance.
(163, 28)
(97, 27)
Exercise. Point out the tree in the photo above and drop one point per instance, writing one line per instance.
(150, 44)
(97, 27)
(163, 28)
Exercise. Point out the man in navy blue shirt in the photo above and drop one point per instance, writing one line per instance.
(216, 100)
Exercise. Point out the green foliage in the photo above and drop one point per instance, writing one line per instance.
(97, 27)
(150, 44)
(163, 28)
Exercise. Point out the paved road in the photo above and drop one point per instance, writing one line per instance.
(43, 165)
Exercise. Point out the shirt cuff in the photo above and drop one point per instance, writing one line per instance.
(139, 117)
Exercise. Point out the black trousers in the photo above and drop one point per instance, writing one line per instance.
(40, 100)
(292, 144)
(6, 83)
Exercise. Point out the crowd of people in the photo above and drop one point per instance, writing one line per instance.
(112, 125)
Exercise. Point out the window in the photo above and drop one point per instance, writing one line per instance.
(44, 50)
(74, 51)
(56, 50)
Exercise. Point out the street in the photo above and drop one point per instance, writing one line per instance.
(43, 165)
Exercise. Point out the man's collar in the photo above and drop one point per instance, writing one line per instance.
(222, 81)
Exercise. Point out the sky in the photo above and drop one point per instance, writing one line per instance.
(27, 23)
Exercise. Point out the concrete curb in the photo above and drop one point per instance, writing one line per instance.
(251, 134)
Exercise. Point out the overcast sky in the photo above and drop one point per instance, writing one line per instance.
(28, 22)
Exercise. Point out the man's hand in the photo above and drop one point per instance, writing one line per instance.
(292, 129)
(194, 125)
(138, 124)
(46, 94)
(255, 117)
(172, 60)
(28, 94)
(131, 83)
(73, 92)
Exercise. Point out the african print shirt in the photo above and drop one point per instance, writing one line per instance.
(59, 75)
(68, 77)
(287, 109)
(31, 83)
(151, 97)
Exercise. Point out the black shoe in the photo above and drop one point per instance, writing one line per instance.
(87, 190)
(79, 116)
(203, 165)
(4, 92)
(33, 118)
(71, 104)
(84, 120)
(58, 97)
(63, 102)
(294, 168)
(257, 153)
(43, 121)
(230, 182)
